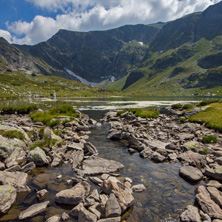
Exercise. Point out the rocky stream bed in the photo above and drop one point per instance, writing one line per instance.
(68, 180)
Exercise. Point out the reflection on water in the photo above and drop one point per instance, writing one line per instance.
(107, 103)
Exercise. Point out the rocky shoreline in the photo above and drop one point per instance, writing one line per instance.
(166, 139)
(97, 192)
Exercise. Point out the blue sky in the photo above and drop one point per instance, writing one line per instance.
(33, 21)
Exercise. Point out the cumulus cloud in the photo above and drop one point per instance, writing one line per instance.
(6, 35)
(89, 15)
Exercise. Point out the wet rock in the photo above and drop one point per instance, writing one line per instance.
(138, 188)
(146, 153)
(54, 219)
(207, 205)
(115, 134)
(157, 157)
(16, 179)
(90, 149)
(112, 207)
(7, 146)
(56, 161)
(191, 214)
(113, 219)
(216, 195)
(172, 157)
(77, 158)
(190, 173)
(41, 194)
(33, 210)
(29, 167)
(97, 165)
(74, 195)
(38, 156)
(7, 197)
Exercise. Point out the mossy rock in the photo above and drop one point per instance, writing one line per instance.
(38, 156)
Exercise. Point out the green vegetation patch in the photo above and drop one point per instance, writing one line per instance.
(207, 102)
(177, 106)
(20, 109)
(49, 117)
(45, 142)
(11, 134)
(209, 139)
(211, 117)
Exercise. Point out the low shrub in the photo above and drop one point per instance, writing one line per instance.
(20, 109)
(187, 107)
(207, 102)
(120, 112)
(145, 113)
(183, 120)
(11, 134)
(209, 139)
(205, 151)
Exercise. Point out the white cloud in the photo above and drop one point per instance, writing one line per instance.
(86, 15)
(6, 35)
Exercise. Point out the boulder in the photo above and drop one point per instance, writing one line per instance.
(17, 157)
(33, 210)
(74, 195)
(190, 173)
(90, 149)
(207, 205)
(146, 153)
(214, 183)
(156, 144)
(112, 207)
(16, 179)
(41, 194)
(97, 165)
(191, 214)
(28, 167)
(38, 156)
(51, 135)
(7, 197)
(115, 134)
(113, 219)
(215, 173)
(157, 157)
(216, 195)
(77, 158)
(138, 188)
(7, 146)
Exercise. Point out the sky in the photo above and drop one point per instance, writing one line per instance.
(33, 21)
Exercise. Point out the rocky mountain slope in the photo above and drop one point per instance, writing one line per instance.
(180, 57)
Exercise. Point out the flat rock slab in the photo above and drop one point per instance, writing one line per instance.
(33, 210)
(97, 165)
(7, 197)
(17, 179)
(156, 144)
(190, 214)
(190, 173)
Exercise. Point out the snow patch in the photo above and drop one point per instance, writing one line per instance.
(82, 80)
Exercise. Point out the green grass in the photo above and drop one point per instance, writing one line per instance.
(207, 102)
(177, 106)
(47, 117)
(120, 112)
(20, 109)
(211, 117)
(45, 142)
(11, 134)
(183, 120)
(205, 151)
(209, 139)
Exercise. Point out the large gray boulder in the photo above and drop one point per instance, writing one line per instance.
(33, 210)
(97, 165)
(16, 179)
(74, 195)
(7, 197)
(191, 214)
(38, 156)
(207, 205)
(7, 146)
(190, 173)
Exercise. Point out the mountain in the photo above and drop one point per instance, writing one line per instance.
(96, 55)
(181, 57)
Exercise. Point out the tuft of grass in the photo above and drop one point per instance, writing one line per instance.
(205, 151)
(183, 120)
(207, 102)
(45, 142)
(47, 116)
(177, 106)
(66, 121)
(145, 113)
(11, 134)
(211, 117)
(187, 107)
(209, 139)
(20, 109)
(120, 112)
